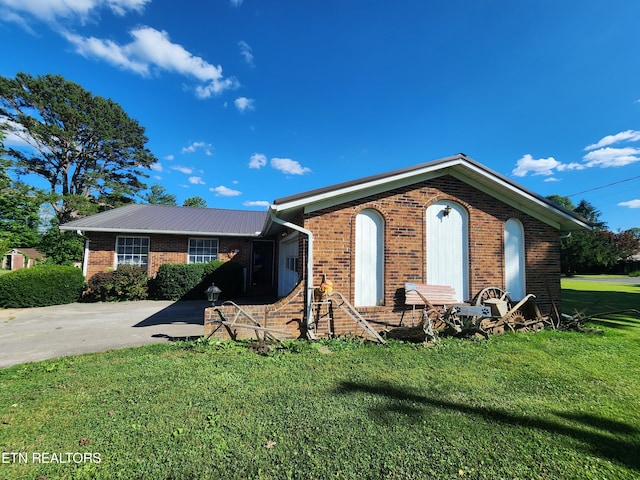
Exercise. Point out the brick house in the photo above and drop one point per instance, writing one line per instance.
(450, 222)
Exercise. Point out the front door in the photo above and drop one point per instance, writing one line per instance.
(262, 266)
(447, 247)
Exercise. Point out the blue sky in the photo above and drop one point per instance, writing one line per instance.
(246, 101)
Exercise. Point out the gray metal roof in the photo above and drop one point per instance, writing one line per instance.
(144, 218)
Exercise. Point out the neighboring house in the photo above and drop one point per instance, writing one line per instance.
(451, 222)
(18, 258)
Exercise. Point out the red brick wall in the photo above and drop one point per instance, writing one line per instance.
(404, 213)
(162, 249)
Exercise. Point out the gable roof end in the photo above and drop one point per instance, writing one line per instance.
(459, 166)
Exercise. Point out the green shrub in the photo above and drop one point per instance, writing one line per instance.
(99, 288)
(128, 282)
(182, 281)
(41, 286)
(635, 273)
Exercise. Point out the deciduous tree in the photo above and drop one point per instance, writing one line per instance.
(84, 146)
(19, 206)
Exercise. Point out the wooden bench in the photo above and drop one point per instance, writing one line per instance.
(429, 295)
(434, 298)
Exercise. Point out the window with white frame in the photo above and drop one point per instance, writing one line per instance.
(203, 250)
(132, 251)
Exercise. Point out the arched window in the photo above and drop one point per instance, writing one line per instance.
(369, 259)
(514, 264)
(448, 247)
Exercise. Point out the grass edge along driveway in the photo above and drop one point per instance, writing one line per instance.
(544, 405)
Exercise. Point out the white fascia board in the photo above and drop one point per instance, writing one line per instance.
(135, 231)
(354, 192)
(520, 199)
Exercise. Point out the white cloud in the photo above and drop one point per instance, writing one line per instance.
(196, 181)
(571, 166)
(247, 53)
(551, 179)
(198, 146)
(256, 203)
(51, 10)
(541, 166)
(627, 135)
(236, 3)
(222, 191)
(612, 157)
(151, 50)
(291, 167)
(631, 204)
(185, 170)
(244, 103)
(15, 134)
(257, 161)
(157, 167)
(600, 154)
(169, 157)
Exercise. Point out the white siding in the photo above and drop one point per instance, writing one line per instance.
(288, 275)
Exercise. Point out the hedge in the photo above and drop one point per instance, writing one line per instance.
(128, 282)
(189, 281)
(41, 286)
(182, 281)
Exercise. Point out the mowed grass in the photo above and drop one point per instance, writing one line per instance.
(550, 405)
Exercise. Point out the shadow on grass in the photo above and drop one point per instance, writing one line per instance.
(606, 443)
(600, 302)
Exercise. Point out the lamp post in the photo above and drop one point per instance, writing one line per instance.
(213, 293)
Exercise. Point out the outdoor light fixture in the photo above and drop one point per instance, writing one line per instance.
(213, 293)
(446, 211)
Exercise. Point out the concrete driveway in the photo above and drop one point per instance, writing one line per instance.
(32, 334)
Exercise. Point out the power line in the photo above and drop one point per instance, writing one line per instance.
(604, 186)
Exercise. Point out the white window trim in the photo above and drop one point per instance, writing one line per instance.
(217, 240)
(115, 256)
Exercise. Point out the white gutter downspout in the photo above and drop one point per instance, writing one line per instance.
(85, 256)
(309, 279)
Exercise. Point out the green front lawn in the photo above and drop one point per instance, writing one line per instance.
(550, 405)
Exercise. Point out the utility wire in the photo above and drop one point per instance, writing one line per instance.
(604, 186)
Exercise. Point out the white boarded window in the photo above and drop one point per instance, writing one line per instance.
(514, 264)
(369, 261)
(447, 247)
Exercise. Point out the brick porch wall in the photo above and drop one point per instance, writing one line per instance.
(285, 315)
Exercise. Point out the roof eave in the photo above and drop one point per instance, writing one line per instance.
(459, 166)
(138, 231)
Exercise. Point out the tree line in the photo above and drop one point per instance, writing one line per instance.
(91, 157)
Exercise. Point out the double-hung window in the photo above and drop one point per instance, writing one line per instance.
(132, 251)
(203, 250)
